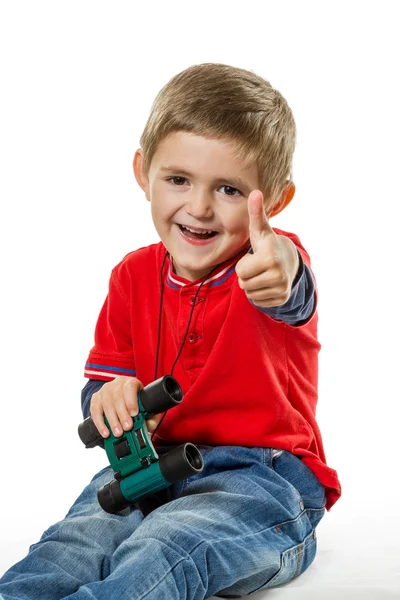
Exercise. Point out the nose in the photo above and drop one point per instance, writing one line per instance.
(199, 205)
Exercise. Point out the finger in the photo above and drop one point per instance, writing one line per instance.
(130, 390)
(271, 303)
(122, 413)
(270, 279)
(273, 297)
(260, 282)
(252, 265)
(96, 412)
(112, 417)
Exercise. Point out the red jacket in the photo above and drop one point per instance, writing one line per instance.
(247, 379)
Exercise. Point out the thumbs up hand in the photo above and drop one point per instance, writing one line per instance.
(267, 275)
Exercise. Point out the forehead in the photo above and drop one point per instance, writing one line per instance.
(193, 154)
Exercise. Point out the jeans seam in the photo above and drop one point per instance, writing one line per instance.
(182, 559)
(299, 554)
(253, 533)
(161, 580)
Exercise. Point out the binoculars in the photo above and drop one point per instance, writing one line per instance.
(139, 471)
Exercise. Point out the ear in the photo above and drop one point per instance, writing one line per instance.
(140, 176)
(284, 200)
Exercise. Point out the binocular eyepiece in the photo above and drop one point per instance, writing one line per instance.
(139, 471)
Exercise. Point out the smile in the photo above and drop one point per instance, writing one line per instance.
(197, 237)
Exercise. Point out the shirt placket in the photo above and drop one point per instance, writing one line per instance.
(194, 339)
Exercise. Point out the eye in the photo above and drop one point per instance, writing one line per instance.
(183, 179)
(176, 177)
(231, 188)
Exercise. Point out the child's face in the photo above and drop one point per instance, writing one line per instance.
(193, 181)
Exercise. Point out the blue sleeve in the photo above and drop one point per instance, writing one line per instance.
(300, 305)
(92, 386)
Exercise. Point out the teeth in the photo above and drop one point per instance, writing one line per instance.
(196, 230)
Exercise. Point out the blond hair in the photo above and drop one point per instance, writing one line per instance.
(234, 105)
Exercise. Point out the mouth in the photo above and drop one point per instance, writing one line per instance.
(197, 234)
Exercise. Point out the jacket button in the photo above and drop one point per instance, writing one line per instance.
(192, 337)
(198, 299)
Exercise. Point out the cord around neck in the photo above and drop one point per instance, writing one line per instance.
(187, 328)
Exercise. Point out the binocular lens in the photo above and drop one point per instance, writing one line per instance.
(173, 388)
(89, 433)
(111, 499)
(181, 462)
(161, 395)
(194, 457)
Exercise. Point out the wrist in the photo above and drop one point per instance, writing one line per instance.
(300, 269)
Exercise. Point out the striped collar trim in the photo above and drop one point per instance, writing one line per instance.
(177, 282)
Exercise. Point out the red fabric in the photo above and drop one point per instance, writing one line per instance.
(248, 380)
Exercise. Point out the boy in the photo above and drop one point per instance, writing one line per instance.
(226, 304)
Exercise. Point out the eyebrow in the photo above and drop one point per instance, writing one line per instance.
(237, 181)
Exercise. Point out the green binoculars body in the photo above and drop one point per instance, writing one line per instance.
(139, 471)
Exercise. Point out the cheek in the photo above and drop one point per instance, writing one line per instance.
(237, 223)
(162, 206)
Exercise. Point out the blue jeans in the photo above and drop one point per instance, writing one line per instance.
(245, 523)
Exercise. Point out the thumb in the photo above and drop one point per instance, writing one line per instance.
(153, 422)
(259, 226)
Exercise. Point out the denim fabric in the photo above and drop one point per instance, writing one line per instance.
(245, 523)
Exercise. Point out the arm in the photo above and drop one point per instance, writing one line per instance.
(92, 386)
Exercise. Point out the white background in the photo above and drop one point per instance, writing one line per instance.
(77, 83)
